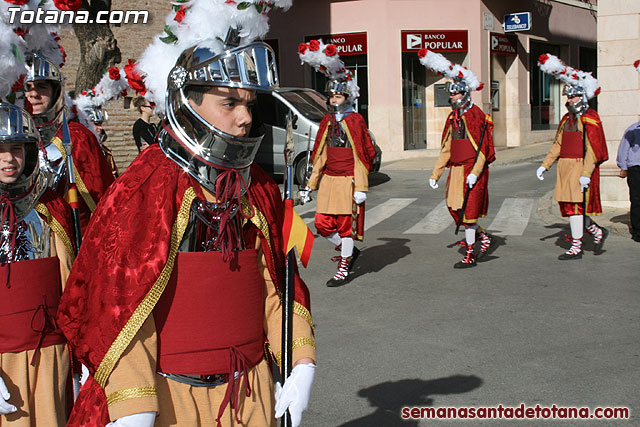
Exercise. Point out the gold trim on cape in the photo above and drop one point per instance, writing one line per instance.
(57, 228)
(145, 308)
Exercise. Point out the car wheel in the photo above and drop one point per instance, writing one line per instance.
(299, 175)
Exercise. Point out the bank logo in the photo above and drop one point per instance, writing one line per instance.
(414, 41)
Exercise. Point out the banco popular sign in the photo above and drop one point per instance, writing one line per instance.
(437, 41)
(346, 44)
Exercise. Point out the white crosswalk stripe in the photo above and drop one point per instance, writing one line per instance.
(435, 222)
(513, 217)
(385, 210)
(511, 220)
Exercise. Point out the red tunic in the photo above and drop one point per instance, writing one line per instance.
(463, 153)
(29, 302)
(124, 259)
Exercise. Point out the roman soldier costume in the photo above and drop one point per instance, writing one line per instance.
(91, 171)
(579, 148)
(36, 252)
(179, 322)
(342, 157)
(467, 149)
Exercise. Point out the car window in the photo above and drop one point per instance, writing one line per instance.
(271, 110)
(309, 103)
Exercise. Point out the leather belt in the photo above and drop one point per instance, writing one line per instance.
(199, 380)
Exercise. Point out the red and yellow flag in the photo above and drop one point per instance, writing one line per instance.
(296, 233)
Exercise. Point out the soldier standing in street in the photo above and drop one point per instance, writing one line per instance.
(467, 149)
(580, 148)
(342, 157)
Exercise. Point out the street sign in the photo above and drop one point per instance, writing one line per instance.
(517, 21)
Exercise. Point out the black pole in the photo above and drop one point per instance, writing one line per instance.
(288, 293)
(287, 326)
(467, 189)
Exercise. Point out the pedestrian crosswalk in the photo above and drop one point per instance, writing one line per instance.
(511, 219)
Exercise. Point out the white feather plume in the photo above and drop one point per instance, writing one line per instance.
(314, 53)
(437, 63)
(551, 64)
(205, 24)
(35, 37)
(106, 90)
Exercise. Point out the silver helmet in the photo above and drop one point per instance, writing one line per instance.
(341, 87)
(195, 144)
(460, 86)
(39, 68)
(18, 127)
(97, 115)
(582, 105)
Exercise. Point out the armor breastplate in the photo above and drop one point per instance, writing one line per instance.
(338, 138)
(202, 232)
(33, 239)
(459, 132)
(54, 166)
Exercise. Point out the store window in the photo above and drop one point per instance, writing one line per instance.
(546, 99)
(589, 63)
(414, 102)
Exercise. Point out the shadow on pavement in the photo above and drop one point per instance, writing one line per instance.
(377, 178)
(563, 238)
(622, 219)
(375, 258)
(390, 397)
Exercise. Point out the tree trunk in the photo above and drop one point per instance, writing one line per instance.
(98, 47)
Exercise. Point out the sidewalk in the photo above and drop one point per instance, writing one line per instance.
(425, 160)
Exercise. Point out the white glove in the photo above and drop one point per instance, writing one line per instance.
(359, 197)
(584, 182)
(540, 171)
(295, 393)
(142, 419)
(472, 178)
(433, 183)
(5, 408)
(305, 195)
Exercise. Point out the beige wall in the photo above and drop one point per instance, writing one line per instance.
(382, 20)
(619, 102)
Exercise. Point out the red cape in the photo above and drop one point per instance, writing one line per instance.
(122, 259)
(91, 164)
(359, 138)
(474, 119)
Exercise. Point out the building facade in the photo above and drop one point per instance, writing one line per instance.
(619, 102)
(405, 104)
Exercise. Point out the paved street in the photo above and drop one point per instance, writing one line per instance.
(409, 330)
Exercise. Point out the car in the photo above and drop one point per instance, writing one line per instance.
(308, 107)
